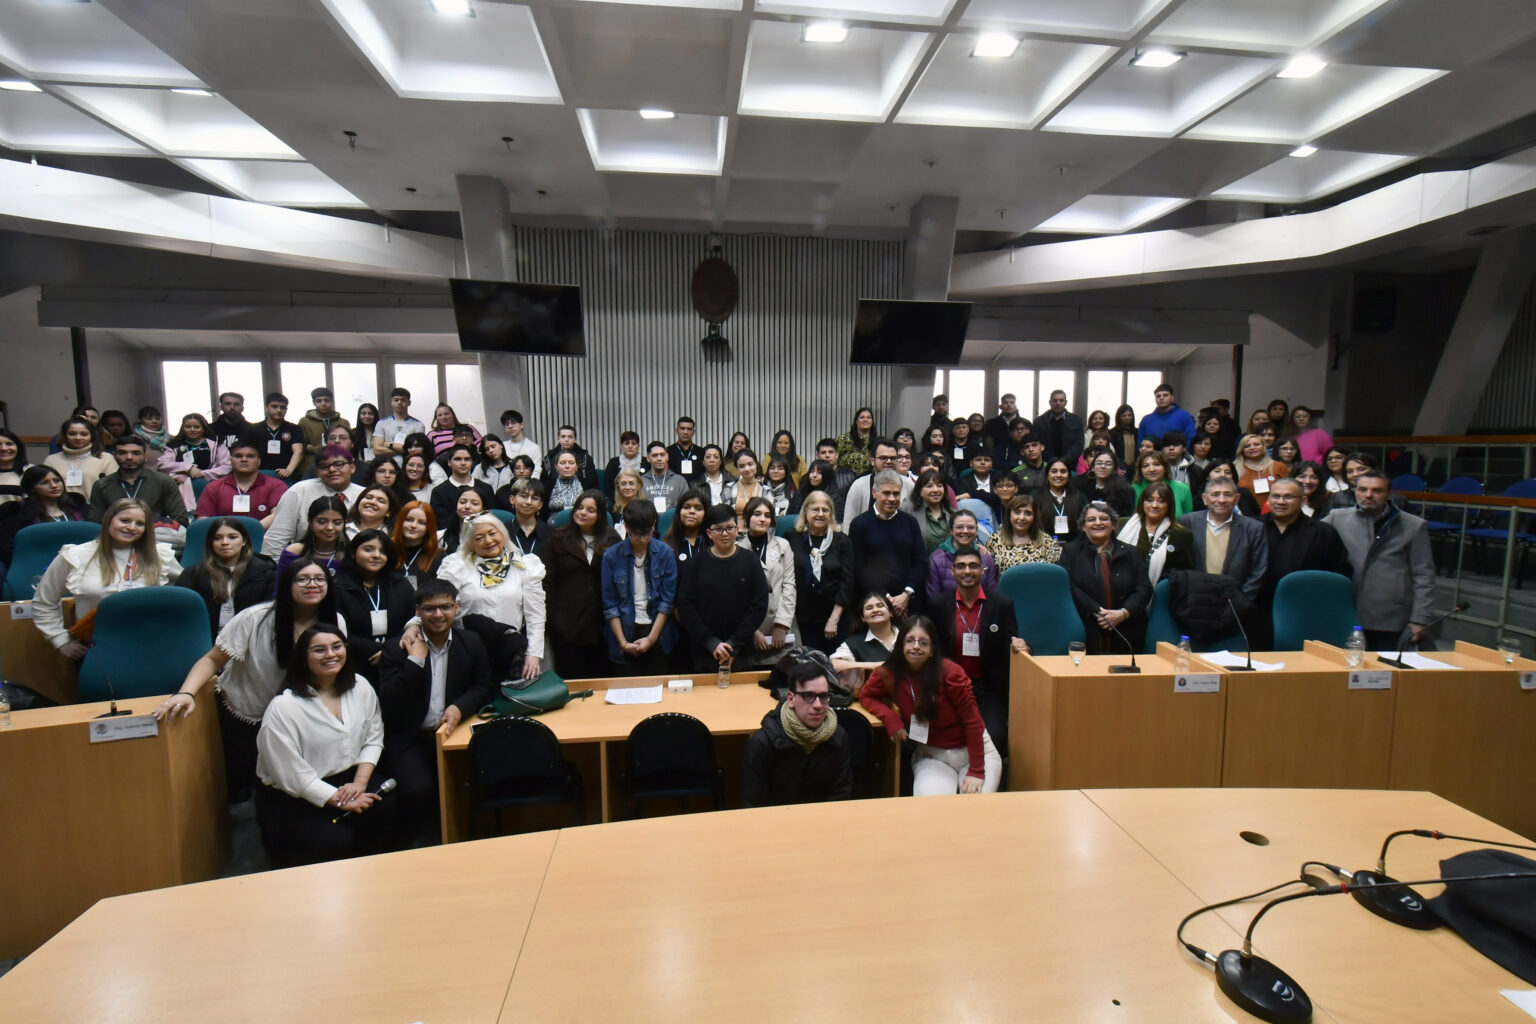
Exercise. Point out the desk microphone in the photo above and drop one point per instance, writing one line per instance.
(1128, 646)
(1264, 990)
(386, 787)
(1246, 642)
(111, 693)
(1461, 606)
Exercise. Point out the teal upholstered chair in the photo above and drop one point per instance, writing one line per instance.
(1313, 605)
(37, 546)
(783, 524)
(147, 639)
(1161, 626)
(1042, 604)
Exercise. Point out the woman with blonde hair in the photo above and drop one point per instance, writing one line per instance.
(1256, 470)
(823, 572)
(627, 486)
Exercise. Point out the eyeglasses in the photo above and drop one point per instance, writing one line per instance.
(333, 464)
(913, 641)
(723, 528)
(813, 698)
(309, 582)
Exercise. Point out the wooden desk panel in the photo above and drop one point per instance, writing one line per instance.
(968, 908)
(98, 820)
(425, 935)
(1303, 727)
(1073, 727)
(27, 658)
(1469, 735)
(1355, 966)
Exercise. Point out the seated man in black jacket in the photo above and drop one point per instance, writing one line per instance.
(800, 755)
(441, 679)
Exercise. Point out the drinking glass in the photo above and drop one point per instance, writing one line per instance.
(1077, 649)
(1509, 646)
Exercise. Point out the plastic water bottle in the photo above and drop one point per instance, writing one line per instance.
(1354, 651)
(1181, 660)
(723, 675)
(5, 708)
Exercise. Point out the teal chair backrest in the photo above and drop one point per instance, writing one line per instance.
(1313, 605)
(197, 537)
(198, 483)
(783, 524)
(1161, 626)
(507, 518)
(1042, 604)
(664, 522)
(147, 639)
(561, 518)
(36, 547)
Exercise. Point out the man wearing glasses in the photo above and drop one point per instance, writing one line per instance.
(800, 755)
(335, 466)
(861, 492)
(722, 596)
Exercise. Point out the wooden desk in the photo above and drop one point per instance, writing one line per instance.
(26, 657)
(593, 733)
(1302, 726)
(1354, 965)
(1072, 727)
(425, 935)
(90, 820)
(1469, 734)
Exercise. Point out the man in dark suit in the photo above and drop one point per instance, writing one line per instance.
(1227, 543)
(1061, 431)
(440, 680)
(977, 630)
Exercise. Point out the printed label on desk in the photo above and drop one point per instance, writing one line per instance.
(1370, 680)
(23, 610)
(1527, 679)
(132, 727)
(1197, 682)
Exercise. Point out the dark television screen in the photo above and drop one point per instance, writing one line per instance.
(909, 331)
(528, 319)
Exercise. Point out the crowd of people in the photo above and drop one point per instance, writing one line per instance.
(407, 568)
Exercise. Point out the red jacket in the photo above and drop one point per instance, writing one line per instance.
(957, 723)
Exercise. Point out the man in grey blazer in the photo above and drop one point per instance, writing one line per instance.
(1219, 528)
(1393, 568)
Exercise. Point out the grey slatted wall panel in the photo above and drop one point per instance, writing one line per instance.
(788, 363)
(1509, 401)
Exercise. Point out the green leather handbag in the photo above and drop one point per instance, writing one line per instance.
(546, 693)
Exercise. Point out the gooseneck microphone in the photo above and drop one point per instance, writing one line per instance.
(1128, 646)
(106, 677)
(387, 786)
(1398, 663)
(1246, 642)
(1392, 900)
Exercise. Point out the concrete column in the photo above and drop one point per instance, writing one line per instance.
(486, 218)
(925, 275)
(1493, 299)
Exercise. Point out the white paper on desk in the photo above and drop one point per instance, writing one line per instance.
(1226, 659)
(1525, 998)
(1413, 659)
(635, 695)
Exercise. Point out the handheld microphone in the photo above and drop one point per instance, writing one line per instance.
(1246, 642)
(111, 693)
(1128, 646)
(387, 786)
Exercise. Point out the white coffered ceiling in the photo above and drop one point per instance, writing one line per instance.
(771, 131)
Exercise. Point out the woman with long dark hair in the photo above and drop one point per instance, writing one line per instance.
(231, 576)
(80, 460)
(372, 597)
(13, 463)
(1060, 501)
(1021, 537)
(469, 504)
(194, 453)
(1123, 435)
(921, 695)
(1155, 533)
(1104, 483)
(44, 501)
(686, 538)
(783, 446)
(362, 433)
(855, 449)
(324, 537)
(573, 588)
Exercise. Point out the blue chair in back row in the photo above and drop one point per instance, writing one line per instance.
(147, 639)
(1042, 604)
(1313, 605)
(197, 537)
(1496, 530)
(37, 546)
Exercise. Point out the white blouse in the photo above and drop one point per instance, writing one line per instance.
(253, 676)
(518, 601)
(74, 571)
(301, 742)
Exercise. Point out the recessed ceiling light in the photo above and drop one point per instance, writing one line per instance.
(1157, 58)
(1303, 151)
(995, 44)
(192, 92)
(656, 114)
(824, 32)
(18, 85)
(1302, 67)
(459, 8)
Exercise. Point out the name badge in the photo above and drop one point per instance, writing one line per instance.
(230, 439)
(1061, 525)
(660, 503)
(274, 447)
(400, 437)
(240, 503)
(226, 612)
(960, 454)
(970, 645)
(74, 478)
(686, 467)
(129, 584)
(918, 730)
(411, 579)
(1261, 485)
(378, 622)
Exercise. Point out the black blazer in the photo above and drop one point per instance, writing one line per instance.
(404, 687)
(445, 499)
(836, 586)
(998, 627)
(396, 597)
(1128, 581)
(255, 586)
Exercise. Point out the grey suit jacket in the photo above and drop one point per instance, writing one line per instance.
(1395, 583)
(1247, 550)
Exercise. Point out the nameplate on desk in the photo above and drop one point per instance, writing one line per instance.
(1197, 682)
(1377, 680)
(21, 609)
(1528, 680)
(679, 685)
(132, 727)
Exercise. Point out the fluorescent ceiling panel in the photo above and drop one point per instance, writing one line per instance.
(280, 183)
(621, 140)
(1110, 215)
(1292, 180)
(1115, 19)
(1266, 26)
(1159, 102)
(910, 12)
(495, 56)
(1296, 110)
(81, 42)
(1005, 92)
(38, 123)
(176, 125)
(855, 80)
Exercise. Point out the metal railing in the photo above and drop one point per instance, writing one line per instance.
(1517, 543)
(1497, 460)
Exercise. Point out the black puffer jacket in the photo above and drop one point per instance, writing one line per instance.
(1198, 601)
(774, 770)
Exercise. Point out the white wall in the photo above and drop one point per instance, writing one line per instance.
(39, 374)
(1276, 364)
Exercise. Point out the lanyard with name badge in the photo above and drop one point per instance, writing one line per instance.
(970, 636)
(378, 618)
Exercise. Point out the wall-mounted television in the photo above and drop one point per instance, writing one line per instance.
(909, 332)
(526, 319)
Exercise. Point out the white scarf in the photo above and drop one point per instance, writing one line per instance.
(817, 553)
(1157, 554)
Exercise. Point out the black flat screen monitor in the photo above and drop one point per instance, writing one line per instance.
(526, 319)
(909, 332)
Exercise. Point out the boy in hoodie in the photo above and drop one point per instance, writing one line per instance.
(316, 423)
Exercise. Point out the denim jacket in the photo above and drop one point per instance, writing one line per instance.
(619, 591)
